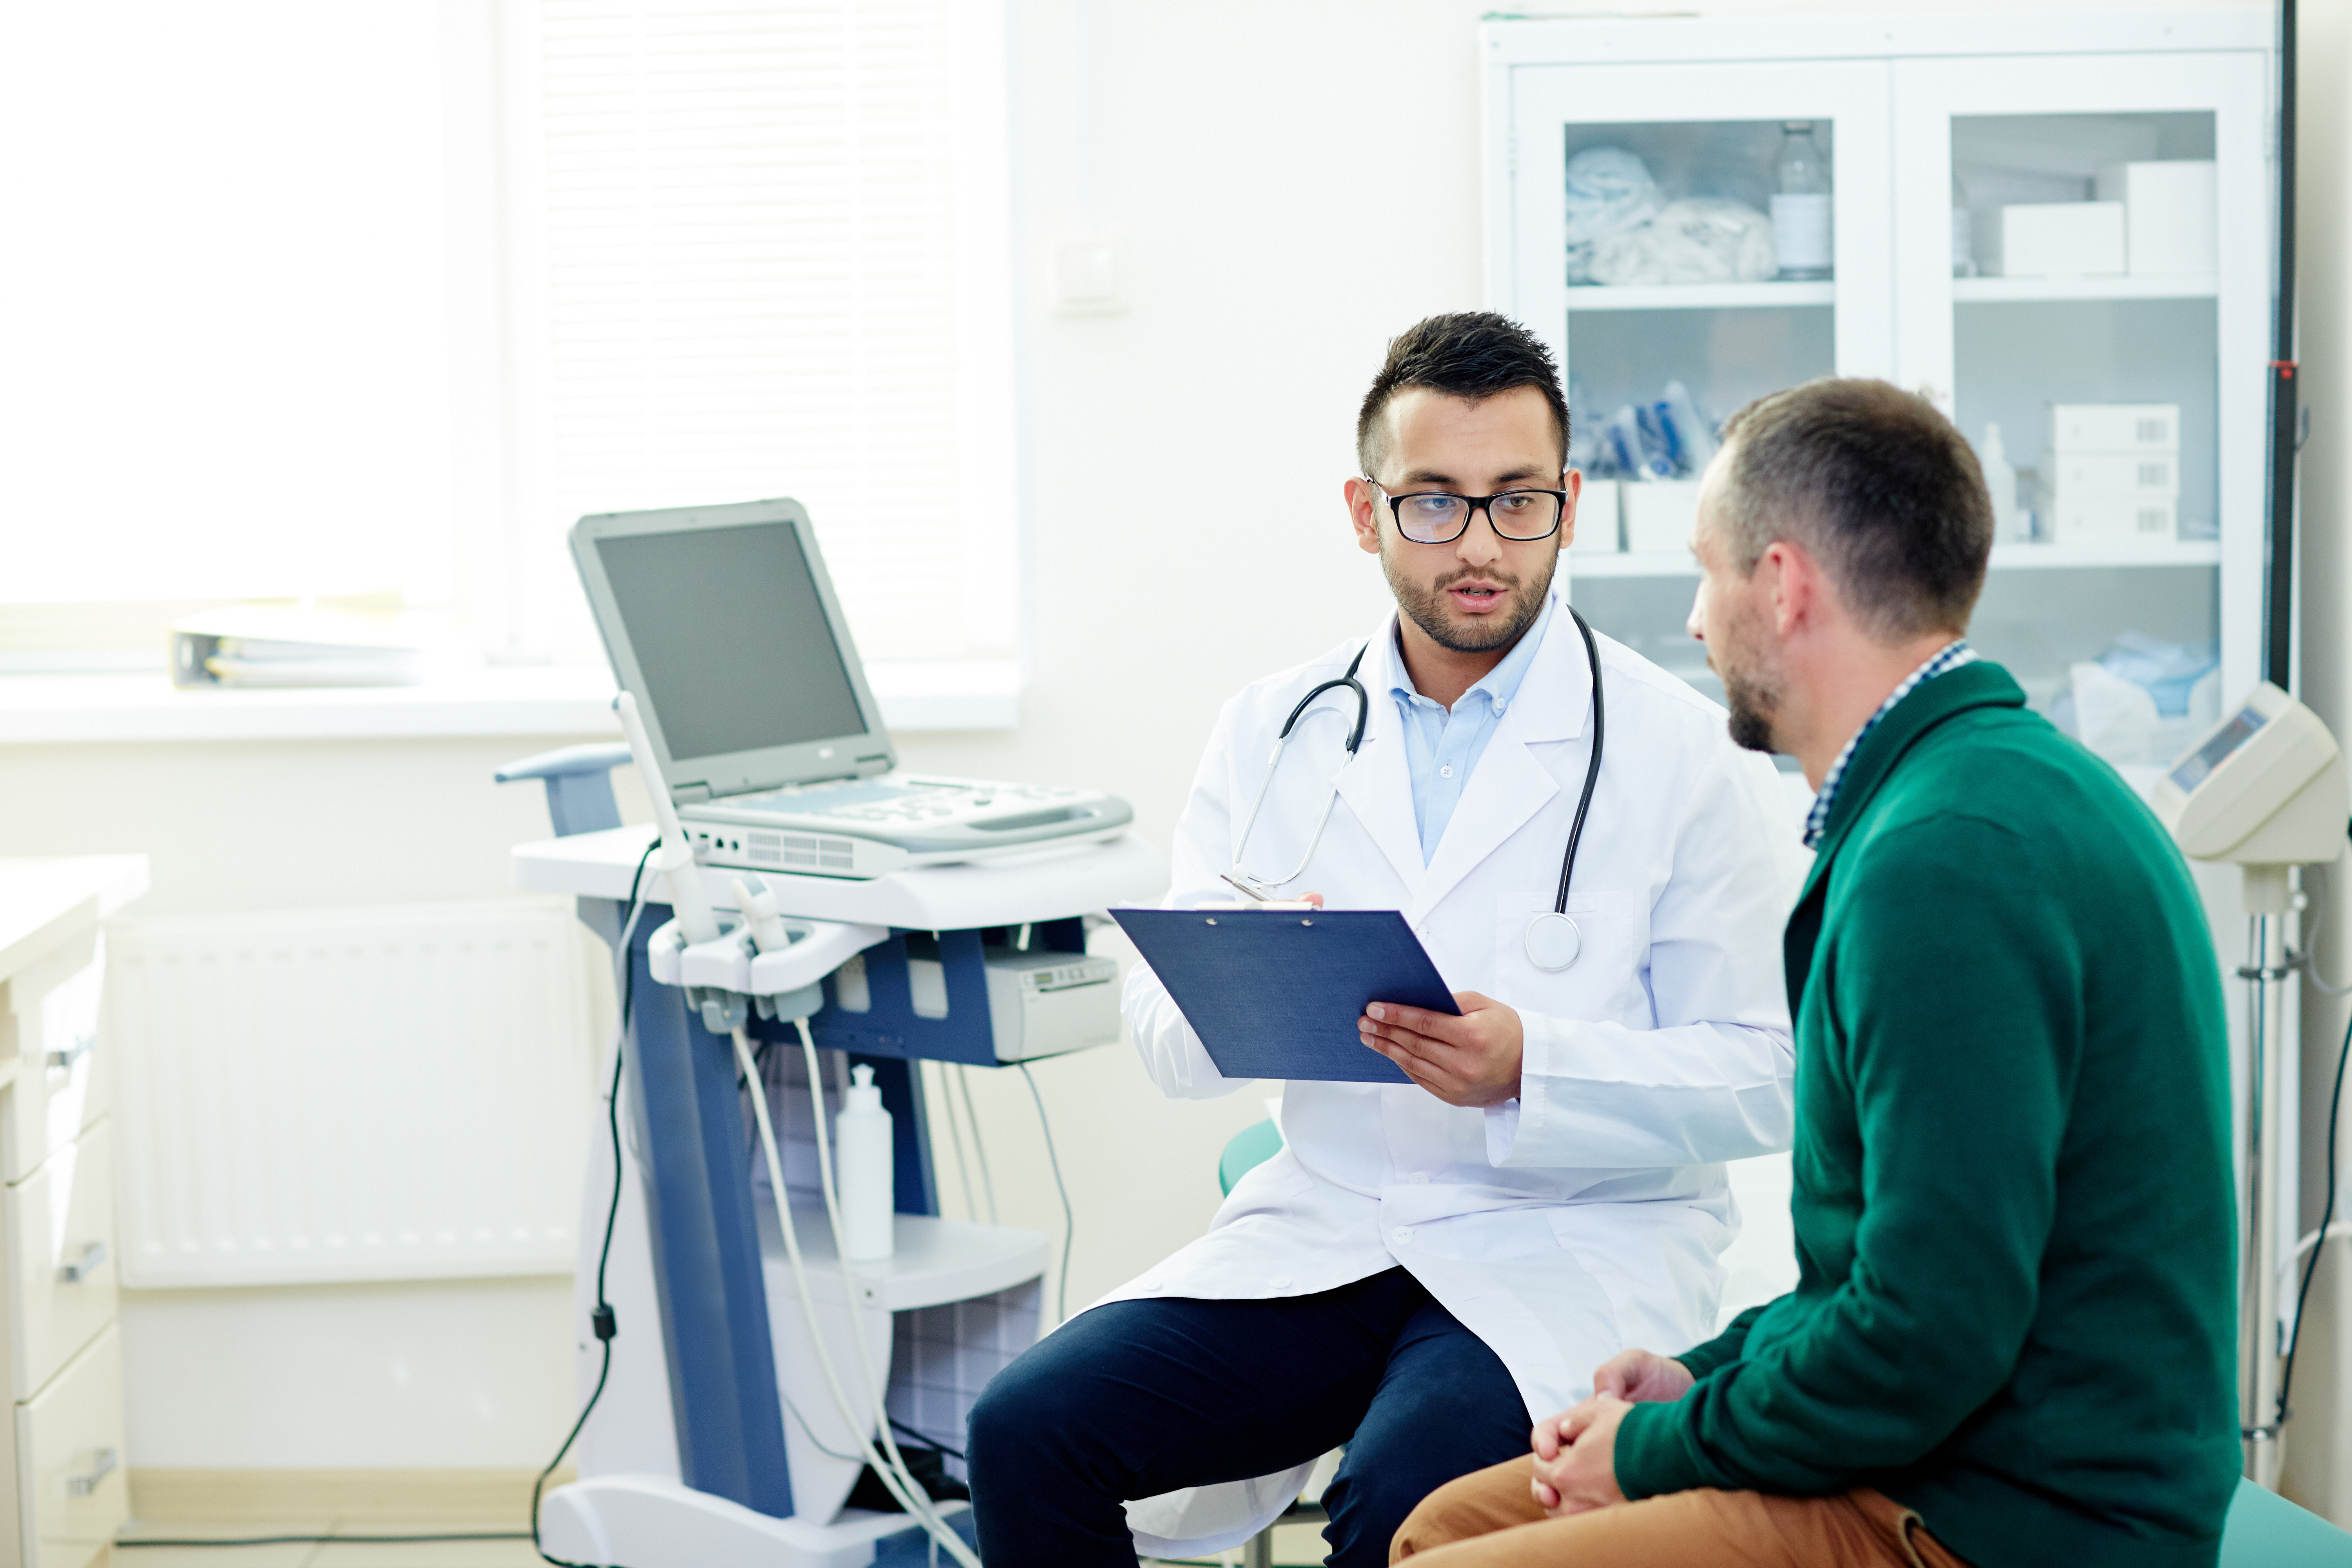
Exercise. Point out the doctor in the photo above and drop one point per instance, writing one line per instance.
(1423, 1270)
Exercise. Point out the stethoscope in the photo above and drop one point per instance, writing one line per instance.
(1552, 939)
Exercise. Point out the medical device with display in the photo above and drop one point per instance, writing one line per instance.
(2265, 789)
(2266, 786)
(723, 625)
(1553, 939)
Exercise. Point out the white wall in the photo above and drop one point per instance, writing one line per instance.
(2318, 1470)
(1289, 186)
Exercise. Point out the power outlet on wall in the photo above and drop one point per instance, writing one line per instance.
(1086, 277)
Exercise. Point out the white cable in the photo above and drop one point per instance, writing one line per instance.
(2310, 1240)
(1069, 1215)
(857, 1321)
(891, 1472)
(955, 1136)
(2319, 923)
(978, 1151)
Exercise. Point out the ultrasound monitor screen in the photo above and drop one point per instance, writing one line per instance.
(731, 639)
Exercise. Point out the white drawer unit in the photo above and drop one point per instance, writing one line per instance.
(71, 1489)
(53, 1015)
(61, 1274)
(61, 1449)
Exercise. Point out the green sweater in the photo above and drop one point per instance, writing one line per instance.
(2015, 1307)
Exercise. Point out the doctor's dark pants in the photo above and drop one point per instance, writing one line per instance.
(1137, 1398)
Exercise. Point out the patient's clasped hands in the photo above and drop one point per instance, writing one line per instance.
(1576, 1450)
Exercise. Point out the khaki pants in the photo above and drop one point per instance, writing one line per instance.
(1488, 1519)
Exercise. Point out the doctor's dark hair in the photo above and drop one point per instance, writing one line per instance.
(1471, 354)
(1873, 483)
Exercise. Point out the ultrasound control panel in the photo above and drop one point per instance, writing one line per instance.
(874, 826)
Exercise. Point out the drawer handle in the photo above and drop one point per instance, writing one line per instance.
(101, 1465)
(87, 1264)
(83, 1045)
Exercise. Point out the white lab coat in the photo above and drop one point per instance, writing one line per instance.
(1587, 1215)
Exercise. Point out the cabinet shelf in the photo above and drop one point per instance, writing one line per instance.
(1625, 563)
(2005, 557)
(2020, 291)
(2062, 557)
(1701, 296)
(937, 1260)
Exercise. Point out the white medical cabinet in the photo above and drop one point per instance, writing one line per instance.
(2138, 602)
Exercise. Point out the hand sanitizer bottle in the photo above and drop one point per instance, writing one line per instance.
(1801, 203)
(864, 1165)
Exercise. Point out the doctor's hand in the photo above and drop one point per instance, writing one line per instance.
(1576, 1457)
(1471, 1060)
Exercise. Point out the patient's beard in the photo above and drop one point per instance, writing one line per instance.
(1753, 706)
(1751, 688)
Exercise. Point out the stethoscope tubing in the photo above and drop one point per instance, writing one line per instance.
(1356, 740)
(1592, 769)
(1242, 878)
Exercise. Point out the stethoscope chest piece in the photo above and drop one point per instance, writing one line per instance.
(1553, 942)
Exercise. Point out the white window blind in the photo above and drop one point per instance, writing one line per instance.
(769, 260)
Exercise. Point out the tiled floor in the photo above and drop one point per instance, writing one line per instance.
(319, 1554)
(1293, 1544)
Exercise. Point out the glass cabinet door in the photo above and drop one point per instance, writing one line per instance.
(1687, 237)
(2081, 258)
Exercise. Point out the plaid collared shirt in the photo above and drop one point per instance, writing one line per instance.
(1950, 656)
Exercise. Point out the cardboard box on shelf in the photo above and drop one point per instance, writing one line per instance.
(2170, 215)
(2133, 476)
(1596, 520)
(2150, 429)
(1659, 515)
(2058, 239)
(2108, 519)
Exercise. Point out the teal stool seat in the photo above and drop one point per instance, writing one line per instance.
(1249, 1148)
(2265, 1530)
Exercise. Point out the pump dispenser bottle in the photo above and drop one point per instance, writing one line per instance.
(864, 1165)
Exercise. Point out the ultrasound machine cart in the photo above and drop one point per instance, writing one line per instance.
(712, 1444)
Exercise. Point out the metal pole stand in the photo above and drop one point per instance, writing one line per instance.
(2267, 973)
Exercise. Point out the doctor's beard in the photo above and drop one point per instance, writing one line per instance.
(1425, 604)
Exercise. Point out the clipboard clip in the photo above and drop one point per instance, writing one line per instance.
(1275, 905)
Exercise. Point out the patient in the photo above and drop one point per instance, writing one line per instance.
(2012, 1333)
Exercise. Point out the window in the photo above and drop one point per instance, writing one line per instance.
(774, 264)
(225, 323)
(382, 295)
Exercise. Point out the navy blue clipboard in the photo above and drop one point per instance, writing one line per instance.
(1277, 992)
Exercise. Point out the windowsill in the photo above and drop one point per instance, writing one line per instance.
(977, 694)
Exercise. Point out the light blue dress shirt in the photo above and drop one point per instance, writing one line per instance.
(1441, 746)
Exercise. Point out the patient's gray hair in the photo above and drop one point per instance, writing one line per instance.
(1873, 483)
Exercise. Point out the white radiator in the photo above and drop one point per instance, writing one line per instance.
(325, 1095)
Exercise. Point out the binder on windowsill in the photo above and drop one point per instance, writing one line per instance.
(1276, 992)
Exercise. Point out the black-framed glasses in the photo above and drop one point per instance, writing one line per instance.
(1435, 517)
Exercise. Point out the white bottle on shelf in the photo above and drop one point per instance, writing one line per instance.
(1801, 203)
(864, 1165)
